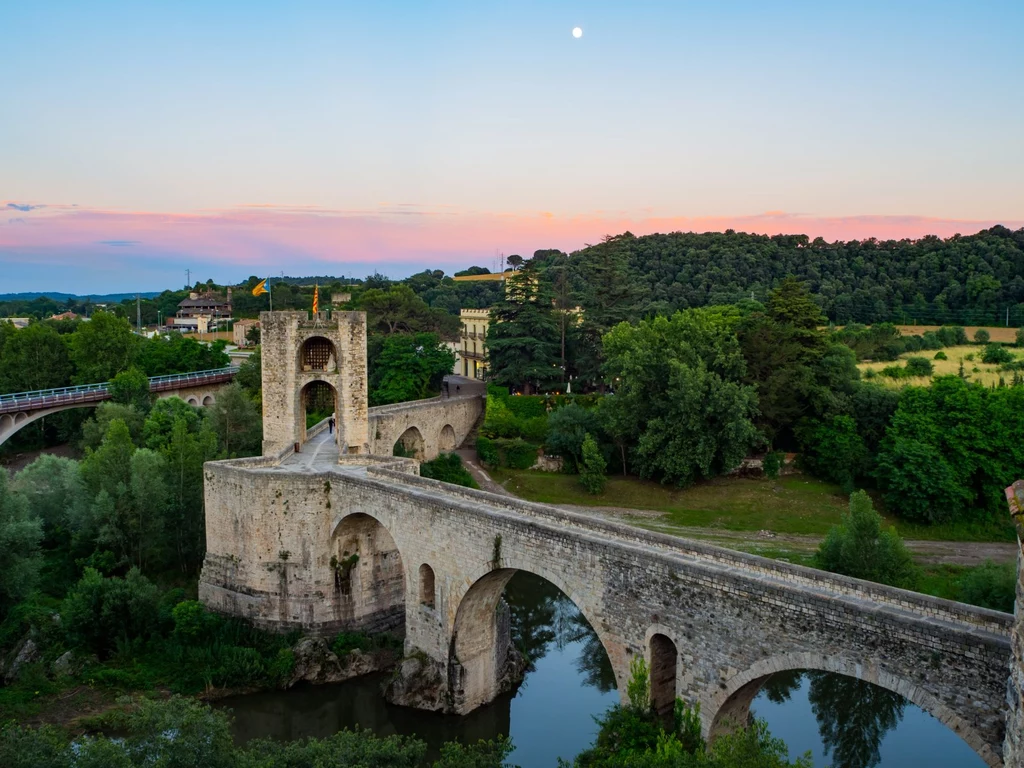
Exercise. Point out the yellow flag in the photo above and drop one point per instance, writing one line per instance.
(316, 299)
(260, 288)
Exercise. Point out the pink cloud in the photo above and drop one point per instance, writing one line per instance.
(262, 236)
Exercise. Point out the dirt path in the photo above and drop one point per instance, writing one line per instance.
(933, 552)
(468, 456)
(18, 461)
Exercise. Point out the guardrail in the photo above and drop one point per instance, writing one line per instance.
(90, 393)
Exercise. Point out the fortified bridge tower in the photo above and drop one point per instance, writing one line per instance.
(326, 532)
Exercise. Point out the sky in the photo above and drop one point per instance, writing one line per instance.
(138, 140)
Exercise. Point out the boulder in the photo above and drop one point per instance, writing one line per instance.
(315, 662)
(26, 653)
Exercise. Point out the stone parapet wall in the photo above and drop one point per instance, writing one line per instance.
(1013, 749)
(443, 423)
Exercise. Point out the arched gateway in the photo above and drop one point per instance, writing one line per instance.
(323, 546)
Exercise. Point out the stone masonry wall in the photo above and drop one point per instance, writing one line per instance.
(430, 417)
(1013, 749)
(733, 618)
(284, 376)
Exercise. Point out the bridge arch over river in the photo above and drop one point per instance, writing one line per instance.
(713, 622)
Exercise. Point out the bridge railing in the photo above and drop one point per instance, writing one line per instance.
(87, 393)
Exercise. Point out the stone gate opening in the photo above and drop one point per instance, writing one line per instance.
(368, 593)
(427, 591)
(319, 401)
(663, 660)
(410, 444)
(319, 354)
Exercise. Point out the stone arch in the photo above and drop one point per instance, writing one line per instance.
(193, 402)
(411, 442)
(730, 704)
(21, 418)
(427, 589)
(368, 575)
(319, 397)
(208, 401)
(446, 441)
(11, 423)
(6, 422)
(482, 661)
(318, 353)
(663, 660)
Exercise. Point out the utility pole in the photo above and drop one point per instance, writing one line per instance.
(188, 279)
(138, 313)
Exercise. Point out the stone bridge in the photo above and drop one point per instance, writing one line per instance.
(331, 539)
(18, 410)
(425, 428)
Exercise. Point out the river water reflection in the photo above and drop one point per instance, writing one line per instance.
(844, 722)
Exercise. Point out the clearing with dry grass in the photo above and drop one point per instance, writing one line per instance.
(970, 354)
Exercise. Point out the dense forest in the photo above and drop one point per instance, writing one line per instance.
(968, 280)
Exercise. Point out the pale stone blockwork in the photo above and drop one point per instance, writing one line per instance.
(324, 547)
(298, 352)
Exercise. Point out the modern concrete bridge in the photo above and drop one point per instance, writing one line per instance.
(22, 408)
(334, 538)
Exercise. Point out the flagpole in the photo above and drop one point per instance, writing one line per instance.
(271, 294)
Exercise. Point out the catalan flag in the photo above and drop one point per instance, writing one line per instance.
(261, 287)
(316, 299)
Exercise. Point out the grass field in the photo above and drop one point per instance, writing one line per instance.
(975, 370)
(794, 504)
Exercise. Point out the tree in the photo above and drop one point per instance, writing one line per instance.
(568, 427)
(514, 261)
(523, 336)
(992, 585)
(162, 418)
(95, 428)
(20, 534)
(130, 387)
(99, 611)
(859, 547)
(250, 376)
(833, 450)
(409, 367)
(678, 391)
(102, 348)
(1020, 337)
(981, 336)
(398, 310)
(56, 496)
(184, 454)
(592, 467)
(236, 422)
(33, 358)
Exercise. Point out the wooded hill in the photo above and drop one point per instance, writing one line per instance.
(967, 280)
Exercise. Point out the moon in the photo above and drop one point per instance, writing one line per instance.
(577, 32)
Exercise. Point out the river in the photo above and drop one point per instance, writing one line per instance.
(843, 722)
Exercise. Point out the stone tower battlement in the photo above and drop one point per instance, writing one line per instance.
(309, 364)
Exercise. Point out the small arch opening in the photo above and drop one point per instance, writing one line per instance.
(207, 401)
(318, 354)
(319, 401)
(193, 402)
(410, 444)
(663, 660)
(446, 442)
(427, 586)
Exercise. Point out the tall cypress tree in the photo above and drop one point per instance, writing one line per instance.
(523, 335)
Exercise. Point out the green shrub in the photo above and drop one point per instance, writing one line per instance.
(448, 468)
(527, 406)
(517, 453)
(940, 355)
(996, 354)
(773, 463)
(592, 467)
(499, 420)
(487, 452)
(919, 366)
(859, 547)
(981, 336)
(893, 372)
(534, 429)
(1019, 336)
(990, 586)
(98, 612)
(951, 335)
(497, 393)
